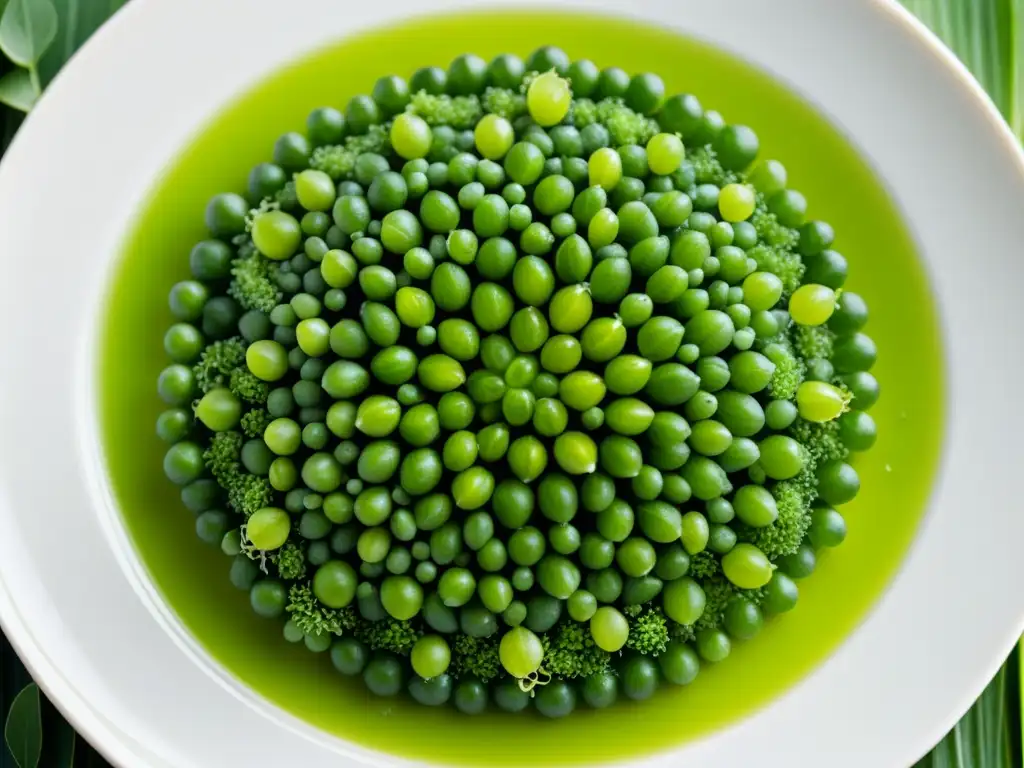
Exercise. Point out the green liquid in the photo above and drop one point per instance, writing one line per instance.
(896, 475)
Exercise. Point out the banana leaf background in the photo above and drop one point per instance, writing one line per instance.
(987, 35)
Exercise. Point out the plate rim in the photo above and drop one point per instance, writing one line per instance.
(105, 736)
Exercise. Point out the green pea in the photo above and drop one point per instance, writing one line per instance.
(781, 457)
(472, 488)
(573, 260)
(603, 339)
(750, 372)
(605, 585)
(440, 373)
(628, 416)
(627, 374)
(615, 522)
(747, 567)
(660, 521)
(740, 413)
(420, 425)
(497, 353)
(558, 576)
(420, 471)
(527, 458)
(780, 594)
(576, 453)
(493, 442)
(649, 255)
(683, 601)
(460, 451)
(710, 438)
(561, 354)
(528, 329)
(741, 454)
(598, 492)
(610, 280)
(581, 390)
(672, 384)
(450, 286)
(620, 456)
(635, 557)
(455, 411)
(838, 483)
(596, 552)
(492, 307)
(570, 309)
(526, 547)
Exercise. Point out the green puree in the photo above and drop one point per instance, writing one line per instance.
(895, 475)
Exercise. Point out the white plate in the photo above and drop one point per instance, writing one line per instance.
(87, 624)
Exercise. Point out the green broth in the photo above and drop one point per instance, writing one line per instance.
(841, 188)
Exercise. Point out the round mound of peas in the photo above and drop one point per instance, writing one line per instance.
(491, 380)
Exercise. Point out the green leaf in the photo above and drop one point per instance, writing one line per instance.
(26, 30)
(982, 737)
(77, 20)
(18, 90)
(984, 36)
(24, 729)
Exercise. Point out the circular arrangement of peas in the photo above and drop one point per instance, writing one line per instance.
(517, 383)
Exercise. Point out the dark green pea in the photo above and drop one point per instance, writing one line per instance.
(672, 563)
(864, 388)
(713, 645)
(679, 663)
(780, 594)
(639, 678)
(828, 528)
(615, 522)
(736, 147)
(706, 478)
(394, 366)
(510, 697)
(610, 280)
(605, 585)
(467, 74)
(265, 180)
(378, 461)
(649, 255)
(450, 286)
(672, 384)
(740, 413)
(800, 564)
(741, 454)
(384, 675)
(433, 692)
(542, 613)
(438, 616)
(596, 552)
(600, 690)
(360, 113)
(838, 483)
(470, 696)
(555, 700)
(721, 539)
(598, 492)
(826, 268)
(268, 598)
(430, 79)
(642, 590)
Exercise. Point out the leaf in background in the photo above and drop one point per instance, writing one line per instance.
(17, 90)
(983, 34)
(78, 19)
(982, 738)
(59, 738)
(26, 30)
(24, 729)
